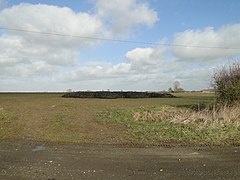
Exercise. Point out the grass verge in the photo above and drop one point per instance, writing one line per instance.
(167, 124)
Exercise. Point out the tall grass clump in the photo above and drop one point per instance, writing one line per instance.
(211, 117)
(214, 125)
(227, 84)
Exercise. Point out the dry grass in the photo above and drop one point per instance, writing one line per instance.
(212, 117)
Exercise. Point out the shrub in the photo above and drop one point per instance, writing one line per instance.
(227, 83)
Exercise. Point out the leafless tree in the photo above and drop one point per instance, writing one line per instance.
(176, 85)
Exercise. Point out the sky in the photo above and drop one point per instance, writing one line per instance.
(137, 45)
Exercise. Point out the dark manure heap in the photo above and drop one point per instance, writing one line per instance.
(116, 94)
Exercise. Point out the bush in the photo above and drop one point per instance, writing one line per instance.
(227, 83)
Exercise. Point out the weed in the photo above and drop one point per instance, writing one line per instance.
(170, 124)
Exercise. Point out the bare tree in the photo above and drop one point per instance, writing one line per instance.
(176, 85)
(69, 90)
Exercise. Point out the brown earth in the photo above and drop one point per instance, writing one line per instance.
(24, 160)
(49, 117)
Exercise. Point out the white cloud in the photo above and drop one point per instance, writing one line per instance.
(52, 62)
(143, 69)
(195, 78)
(226, 36)
(31, 54)
(31, 57)
(41, 69)
(122, 15)
(145, 58)
(97, 71)
(140, 62)
(140, 56)
(48, 18)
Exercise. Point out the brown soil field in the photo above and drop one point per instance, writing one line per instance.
(51, 118)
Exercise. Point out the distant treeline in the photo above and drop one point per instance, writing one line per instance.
(116, 94)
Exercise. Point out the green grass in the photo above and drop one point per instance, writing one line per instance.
(156, 133)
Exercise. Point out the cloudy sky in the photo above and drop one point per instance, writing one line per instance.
(54, 45)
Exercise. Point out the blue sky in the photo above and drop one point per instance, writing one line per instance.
(37, 62)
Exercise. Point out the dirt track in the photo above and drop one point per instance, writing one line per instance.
(50, 161)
